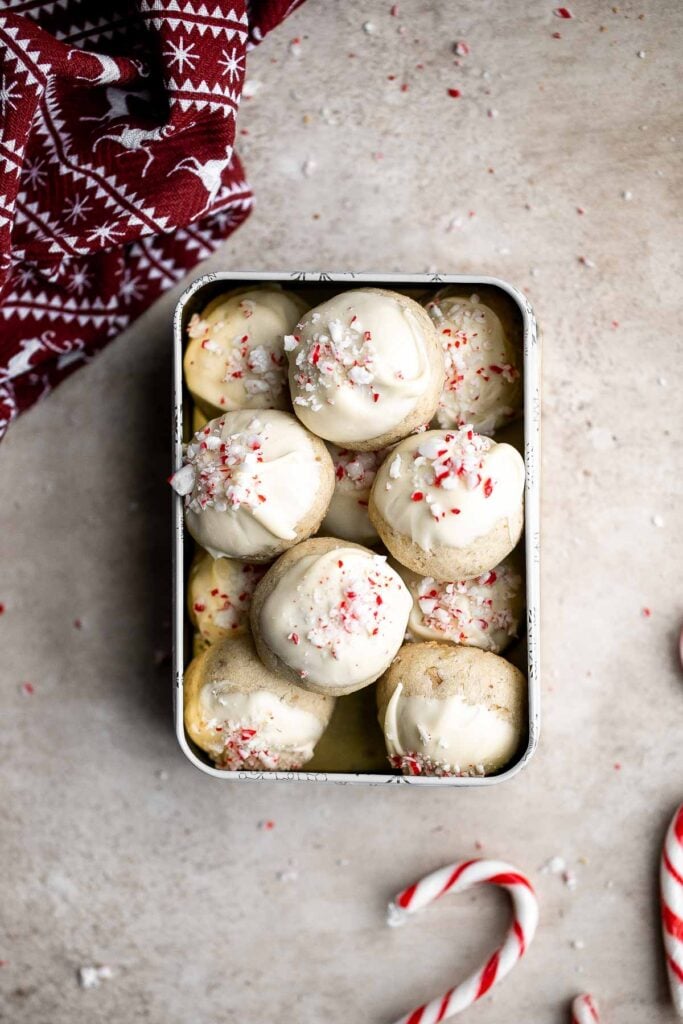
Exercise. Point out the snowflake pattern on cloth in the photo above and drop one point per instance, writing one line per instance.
(117, 173)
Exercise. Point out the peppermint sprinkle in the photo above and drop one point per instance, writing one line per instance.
(468, 610)
(395, 467)
(261, 370)
(355, 471)
(182, 481)
(225, 471)
(334, 355)
(356, 606)
(91, 977)
(452, 459)
(563, 12)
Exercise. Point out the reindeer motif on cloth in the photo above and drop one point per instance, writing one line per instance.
(91, 145)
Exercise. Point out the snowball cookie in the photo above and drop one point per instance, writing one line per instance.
(449, 710)
(219, 592)
(365, 368)
(235, 357)
(483, 612)
(347, 516)
(254, 484)
(244, 717)
(329, 615)
(483, 384)
(449, 504)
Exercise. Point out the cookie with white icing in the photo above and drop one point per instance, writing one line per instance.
(483, 382)
(330, 615)
(219, 592)
(448, 710)
(246, 718)
(347, 516)
(235, 356)
(449, 503)
(254, 484)
(365, 368)
(483, 612)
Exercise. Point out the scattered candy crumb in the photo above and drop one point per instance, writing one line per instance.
(454, 93)
(617, 766)
(554, 866)
(267, 825)
(90, 977)
(27, 689)
(646, 613)
(78, 624)
(657, 521)
(578, 944)
(563, 12)
(290, 875)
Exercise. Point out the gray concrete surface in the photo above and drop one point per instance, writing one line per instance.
(114, 850)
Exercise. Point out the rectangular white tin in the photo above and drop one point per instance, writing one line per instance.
(193, 300)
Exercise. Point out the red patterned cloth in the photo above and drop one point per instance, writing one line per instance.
(117, 171)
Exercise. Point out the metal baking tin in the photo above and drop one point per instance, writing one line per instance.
(193, 300)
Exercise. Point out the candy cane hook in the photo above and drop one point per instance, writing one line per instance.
(458, 878)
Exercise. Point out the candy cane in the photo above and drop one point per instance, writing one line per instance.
(458, 878)
(671, 884)
(585, 1010)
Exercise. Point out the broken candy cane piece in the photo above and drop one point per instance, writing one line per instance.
(182, 480)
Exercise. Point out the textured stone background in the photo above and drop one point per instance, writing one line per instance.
(114, 849)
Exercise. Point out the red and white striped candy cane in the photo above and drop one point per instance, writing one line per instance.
(458, 878)
(671, 883)
(585, 1010)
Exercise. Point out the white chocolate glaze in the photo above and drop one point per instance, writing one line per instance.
(447, 737)
(248, 480)
(483, 612)
(235, 357)
(482, 379)
(447, 488)
(256, 730)
(359, 363)
(337, 618)
(347, 516)
(219, 593)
